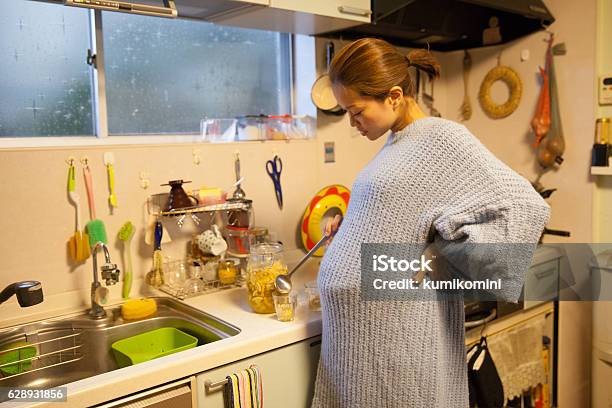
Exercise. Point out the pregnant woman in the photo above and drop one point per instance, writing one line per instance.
(431, 176)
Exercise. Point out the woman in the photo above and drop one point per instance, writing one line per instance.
(431, 175)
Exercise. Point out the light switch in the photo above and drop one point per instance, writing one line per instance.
(330, 152)
(605, 89)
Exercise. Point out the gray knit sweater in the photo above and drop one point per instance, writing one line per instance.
(432, 174)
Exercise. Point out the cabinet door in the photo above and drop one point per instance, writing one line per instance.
(357, 10)
(288, 375)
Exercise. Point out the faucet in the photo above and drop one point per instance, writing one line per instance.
(110, 273)
(29, 293)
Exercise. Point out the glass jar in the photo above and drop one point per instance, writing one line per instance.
(266, 262)
(314, 298)
(228, 271)
(258, 235)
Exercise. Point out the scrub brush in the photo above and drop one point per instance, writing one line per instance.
(95, 227)
(126, 233)
(109, 161)
(78, 243)
(155, 277)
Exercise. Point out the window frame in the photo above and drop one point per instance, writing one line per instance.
(100, 135)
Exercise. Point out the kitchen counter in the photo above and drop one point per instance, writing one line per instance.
(259, 333)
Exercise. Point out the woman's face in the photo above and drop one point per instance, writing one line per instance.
(372, 117)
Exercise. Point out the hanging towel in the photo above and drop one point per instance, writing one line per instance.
(518, 356)
(244, 389)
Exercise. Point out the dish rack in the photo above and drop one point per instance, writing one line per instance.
(54, 348)
(207, 286)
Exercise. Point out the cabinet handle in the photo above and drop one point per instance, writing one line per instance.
(545, 273)
(354, 11)
(211, 386)
(315, 343)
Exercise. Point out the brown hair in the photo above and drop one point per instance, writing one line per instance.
(371, 67)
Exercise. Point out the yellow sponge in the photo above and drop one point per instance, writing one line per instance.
(138, 309)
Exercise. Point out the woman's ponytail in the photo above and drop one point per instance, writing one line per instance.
(424, 61)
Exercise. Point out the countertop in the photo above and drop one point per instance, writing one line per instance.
(259, 333)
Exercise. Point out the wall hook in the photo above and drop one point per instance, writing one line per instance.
(144, 180)
(70, 161)
(196, 156)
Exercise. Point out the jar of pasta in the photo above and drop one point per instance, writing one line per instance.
(265, 263)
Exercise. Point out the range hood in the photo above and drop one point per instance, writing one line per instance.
(448, 25)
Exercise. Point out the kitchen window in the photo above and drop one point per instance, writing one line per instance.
(162, 77)
(44, 83)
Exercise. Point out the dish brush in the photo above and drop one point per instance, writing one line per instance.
(126, 233)
(78, 243)
(95, 227)
(109, 162)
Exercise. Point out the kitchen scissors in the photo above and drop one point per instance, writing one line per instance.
(274, 168)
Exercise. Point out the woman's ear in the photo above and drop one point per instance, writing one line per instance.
(396, 96)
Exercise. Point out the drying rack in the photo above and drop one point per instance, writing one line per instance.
(209, 285)
(58, 347)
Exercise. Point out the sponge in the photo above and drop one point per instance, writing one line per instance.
(25, 352)
(97, 232)
(138, 309)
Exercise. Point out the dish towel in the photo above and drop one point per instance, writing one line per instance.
(244, 389)
(517, 353)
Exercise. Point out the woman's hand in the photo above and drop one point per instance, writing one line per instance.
(332, 226)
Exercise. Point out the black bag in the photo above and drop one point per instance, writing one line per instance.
(487, 386)
(472, 353)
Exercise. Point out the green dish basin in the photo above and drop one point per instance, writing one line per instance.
(152, 344)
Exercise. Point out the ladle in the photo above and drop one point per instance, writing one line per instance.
(283, 282)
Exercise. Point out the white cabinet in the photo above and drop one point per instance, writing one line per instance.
(357, 10)
(308, 17)
(288, 375)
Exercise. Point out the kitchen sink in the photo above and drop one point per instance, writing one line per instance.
(73, 347)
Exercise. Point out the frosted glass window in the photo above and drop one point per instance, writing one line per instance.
(45, 87)
(164, 76)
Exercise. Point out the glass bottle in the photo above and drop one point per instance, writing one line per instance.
(266, 262)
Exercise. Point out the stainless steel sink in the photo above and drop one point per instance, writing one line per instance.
(73, 347)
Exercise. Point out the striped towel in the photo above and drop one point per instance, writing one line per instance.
(244, 389)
